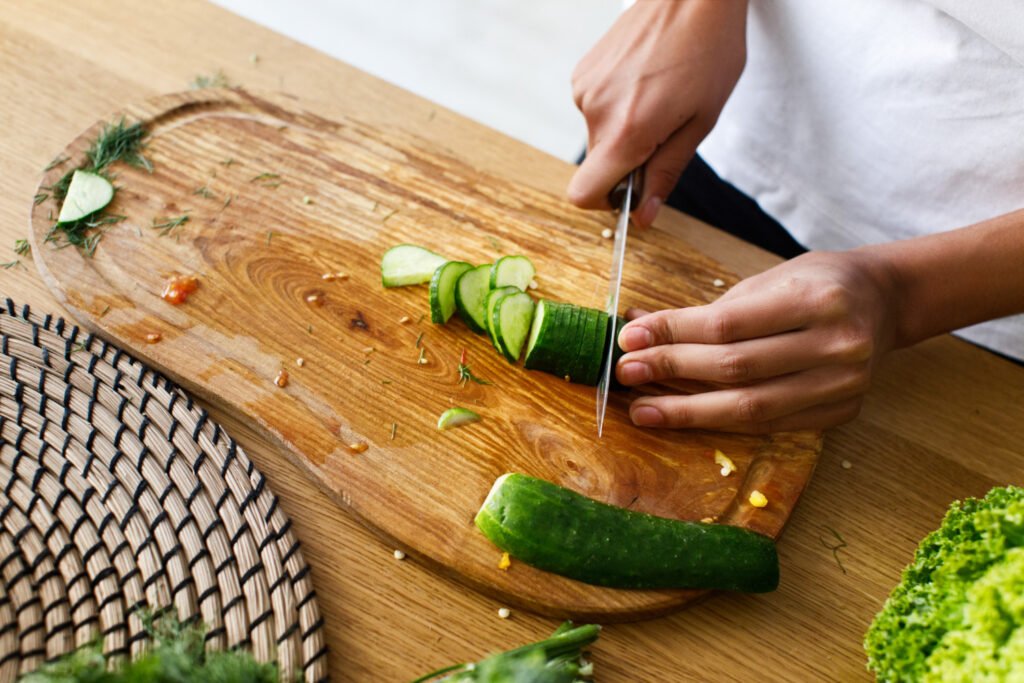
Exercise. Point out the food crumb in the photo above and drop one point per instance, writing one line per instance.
(358, 446)
(846, 464)
(718, 282)
(300, 362)
(282, 379)
(369, 349)
(399, 555)
(254, 58)
(504, 613)
(329, 277)
(607, 233)
(315, 299)
(707, 520)
(505, 562)
(728, 466)
(567, 378)
(758, 499)
(403, 320)
(533, 284)
(153, 337)
(307, 199)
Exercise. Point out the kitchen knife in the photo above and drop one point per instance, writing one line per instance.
(626, 196)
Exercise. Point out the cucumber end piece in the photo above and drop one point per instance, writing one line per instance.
(87, 193)
(456, 417)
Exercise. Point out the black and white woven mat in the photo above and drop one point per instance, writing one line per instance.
(118, 494)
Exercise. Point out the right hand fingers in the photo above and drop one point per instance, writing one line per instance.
(662, 170)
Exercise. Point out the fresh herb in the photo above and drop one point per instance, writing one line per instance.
(10, 264)
(419, 339)
(466, 375)
(217, 80)
(557, 659)
(389, 215)
(178, 653)
(40, 198)
(59, 189)
(105, 310)
(227, 203)
(270, 236)
(168, 225)
(835, 547)
(204, 192)
(84, 233)
(62, 159)
(118, 142)
(267, 179)
(22, 247)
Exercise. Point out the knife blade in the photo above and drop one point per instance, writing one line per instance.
(626, 191)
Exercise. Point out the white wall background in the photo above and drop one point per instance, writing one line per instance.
(505, 63)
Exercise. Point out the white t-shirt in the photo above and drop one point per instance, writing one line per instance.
(874, 120)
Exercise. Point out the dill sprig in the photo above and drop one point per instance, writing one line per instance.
(166, 226)
(40, 198)
(466, 375)
(204, 192)
(216, 80)
(10, 264)
(115, 142)
(267, 179)
(835, 547)
(61, 159)
(22, 247)
(84, 233)
(118, 142)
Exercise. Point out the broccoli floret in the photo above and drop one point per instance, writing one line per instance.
(958, 612)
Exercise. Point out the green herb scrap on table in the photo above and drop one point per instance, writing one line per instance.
(958, 612)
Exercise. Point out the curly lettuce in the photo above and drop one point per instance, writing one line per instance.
(958, 612)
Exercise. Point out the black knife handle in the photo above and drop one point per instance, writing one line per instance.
(618, 192)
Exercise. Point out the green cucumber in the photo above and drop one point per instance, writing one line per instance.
(591, 349)
(516, 271)
(456, 417)
(471, 296)
(512, 317)
(442, 290)
(543, 341)
(492, 298)
(87, 193)
(558, 530)
(408, 264)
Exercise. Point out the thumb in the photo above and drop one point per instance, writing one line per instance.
(664, 168)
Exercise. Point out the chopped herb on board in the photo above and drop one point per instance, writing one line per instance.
(267, 179)
(10, 264)
(216, 80)
(62, 159)
(22, 247)
(835, 547)
(204, 192)
(168, 225)
(40, 198)
(118, 142)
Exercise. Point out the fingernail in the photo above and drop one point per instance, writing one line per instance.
(635, 338)
(635, 372)
(650, 211)
(646, 416)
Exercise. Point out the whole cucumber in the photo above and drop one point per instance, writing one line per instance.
(558, 530)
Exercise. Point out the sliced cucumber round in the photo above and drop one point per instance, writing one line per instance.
(542, 342)
(558, 530)
(512, 316)
(456, 417)
(442, 290)
(87, 193)
(516, 271)
(408, 264)
(471, 296)
(492, 298)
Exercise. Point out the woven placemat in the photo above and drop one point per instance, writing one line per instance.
(118, 495)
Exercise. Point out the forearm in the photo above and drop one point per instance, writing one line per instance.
(950, 280)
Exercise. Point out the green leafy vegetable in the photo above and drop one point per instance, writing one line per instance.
(118, 142)
(177, 654)
(958, 612)
(168, 225)
(557, 659)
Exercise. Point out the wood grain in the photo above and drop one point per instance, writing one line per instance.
(942, 421)
(278, 195)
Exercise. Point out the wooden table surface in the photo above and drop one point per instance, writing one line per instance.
(943, 421)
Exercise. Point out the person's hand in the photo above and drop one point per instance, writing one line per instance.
(792, 348)
(650, 90)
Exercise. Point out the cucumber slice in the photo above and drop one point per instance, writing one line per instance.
(543, 340)
(456, 417)
(471, 296)
(516, 271)
(512, 317)
(492, 299)
(87, 193)
(589, 347)
(442, 290)
(407, 264)
(561, 531)
(593, 363)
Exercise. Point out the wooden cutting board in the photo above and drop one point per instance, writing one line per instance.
(279, 192)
